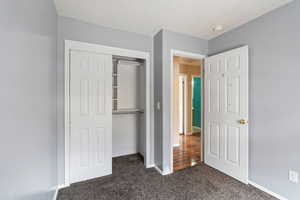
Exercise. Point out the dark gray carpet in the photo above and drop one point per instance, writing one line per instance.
(131, 181)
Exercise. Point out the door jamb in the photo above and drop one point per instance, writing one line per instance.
(185, 54)
(184, 104)
(149, 111)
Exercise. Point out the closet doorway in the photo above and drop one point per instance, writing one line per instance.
(107, 108)
(128, 121)
(186, 112)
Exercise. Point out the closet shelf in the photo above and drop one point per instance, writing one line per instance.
(127, 111)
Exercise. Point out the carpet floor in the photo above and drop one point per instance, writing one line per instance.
(131, 181)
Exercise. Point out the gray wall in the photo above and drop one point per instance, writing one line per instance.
(158, 63)
(177, 41)
(28, 82)
(28, 100)
(274, 95)
(70, 29)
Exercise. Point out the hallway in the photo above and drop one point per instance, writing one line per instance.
(188, 153)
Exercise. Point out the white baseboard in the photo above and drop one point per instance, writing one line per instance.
(267, 190)
(176, 145)
(57, 188)
(55, 193)
(162, 172)
(197, 127)
(150, 166)
(157, 169)
(114, 155)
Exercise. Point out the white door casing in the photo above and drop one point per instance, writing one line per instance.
(90, 115)
(182, 104)
(226, 103)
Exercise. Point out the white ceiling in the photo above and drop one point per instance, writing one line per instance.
(192, 17)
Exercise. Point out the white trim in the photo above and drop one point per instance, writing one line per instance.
(150, 166)
(248, 96)
(267, 190)
(55, 194)
(124, 154)
(67, 113)
(176, 145)
(56, 189)
(149, 110)
(197, 127)
(163, 172)
(202, 112)
(152, 104)
(185, 104)
(187, 55)
(157, 169)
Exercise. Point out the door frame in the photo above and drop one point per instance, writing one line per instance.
(149, 110)
(184, 103)
(185, 54)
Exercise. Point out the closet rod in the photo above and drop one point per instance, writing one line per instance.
(122, 58)
(127, 111)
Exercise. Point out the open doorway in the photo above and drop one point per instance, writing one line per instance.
(186, 112)
(224, 128)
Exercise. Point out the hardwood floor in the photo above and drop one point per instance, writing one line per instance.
(188, 153)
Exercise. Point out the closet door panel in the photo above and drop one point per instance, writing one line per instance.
(90, 115)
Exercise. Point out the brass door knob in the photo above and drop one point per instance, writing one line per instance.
(242, 121)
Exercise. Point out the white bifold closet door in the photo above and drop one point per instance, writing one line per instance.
(90, 115)
(226, 112)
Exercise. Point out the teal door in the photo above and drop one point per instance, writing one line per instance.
(197, 102)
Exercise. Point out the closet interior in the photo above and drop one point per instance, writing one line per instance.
(128, 106)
